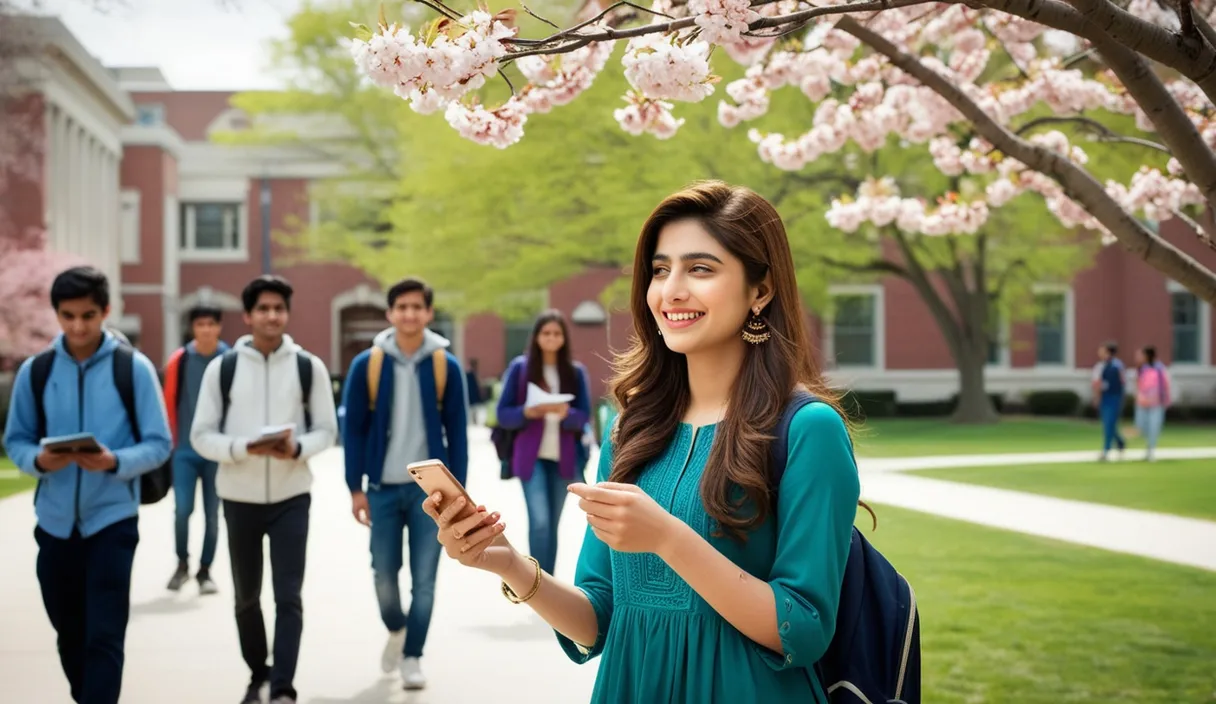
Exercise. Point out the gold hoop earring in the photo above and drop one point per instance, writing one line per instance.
(756, 330)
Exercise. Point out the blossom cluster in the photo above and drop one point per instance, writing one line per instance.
(557, 80)
(448, 60)
(643, 115)
(669, 67)
(723, 21)
(879, 203)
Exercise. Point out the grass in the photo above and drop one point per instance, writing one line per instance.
(1007, 617)
(1183, 487)
(905, 437)
(15, 485)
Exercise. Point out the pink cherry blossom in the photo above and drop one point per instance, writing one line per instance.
(722, 21)
(644, 115)
(664, 67)
(27, 268)
(500, 127)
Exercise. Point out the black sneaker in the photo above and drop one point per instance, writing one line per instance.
(179, 577)
(205, 584)
(253, 693)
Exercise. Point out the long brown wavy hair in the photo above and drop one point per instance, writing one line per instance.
(651, 382)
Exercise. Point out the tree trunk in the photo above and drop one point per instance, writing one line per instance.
(974, 404)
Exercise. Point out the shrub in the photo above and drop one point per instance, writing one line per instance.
(1053, 403)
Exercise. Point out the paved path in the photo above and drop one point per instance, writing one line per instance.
(183, 648)
(1184, 541)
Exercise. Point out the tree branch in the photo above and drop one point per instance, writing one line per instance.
(1003, 280)
(1200, 232)
(1077, 184)
(919, 278)
(874, 266)
(1103, 132)
(1171, 122)
(1102, 21)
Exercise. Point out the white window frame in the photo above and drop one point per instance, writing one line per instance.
(1205, 328)
(880, 332)
(189, 253)
(1070, 326)
(131, 239)
(1004, 332)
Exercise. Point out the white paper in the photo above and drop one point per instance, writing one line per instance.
(539, 397)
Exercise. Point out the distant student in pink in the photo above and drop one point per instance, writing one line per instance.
(1152, 396)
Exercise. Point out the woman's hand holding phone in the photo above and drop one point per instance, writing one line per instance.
(474, 541)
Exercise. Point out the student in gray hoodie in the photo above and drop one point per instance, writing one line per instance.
(415, 408)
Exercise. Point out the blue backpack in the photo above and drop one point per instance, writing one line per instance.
(874, 656)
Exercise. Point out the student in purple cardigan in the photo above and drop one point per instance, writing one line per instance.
(548, 451)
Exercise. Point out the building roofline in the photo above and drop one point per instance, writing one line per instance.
(59, 41)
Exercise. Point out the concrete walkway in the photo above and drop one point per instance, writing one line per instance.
(1184, 541)
(183, 648)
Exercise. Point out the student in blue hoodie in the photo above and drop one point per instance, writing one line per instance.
(1109, 389)
(411, 421)
(87, 504)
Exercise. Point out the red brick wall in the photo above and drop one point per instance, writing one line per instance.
(153, 172)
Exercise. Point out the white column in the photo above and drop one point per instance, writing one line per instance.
(61, 186)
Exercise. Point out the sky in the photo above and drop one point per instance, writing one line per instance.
(197, 44)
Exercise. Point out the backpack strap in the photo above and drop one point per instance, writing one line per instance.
(124, 381)
(780, 447)
(227, 372)
(375, 363)
(40, 374)
(439, 364)
(304, 365)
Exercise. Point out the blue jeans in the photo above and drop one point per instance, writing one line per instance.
(188, 470)
(1149, 420)
(396, 508)
(545, 495)
(1109, 409)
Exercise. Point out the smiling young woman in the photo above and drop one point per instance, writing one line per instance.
(696, 581)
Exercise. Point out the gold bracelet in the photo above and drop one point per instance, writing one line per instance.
(510, 593)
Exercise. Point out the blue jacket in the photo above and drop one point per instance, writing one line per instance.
(81, 397)
(365, 434)
(1112, 381)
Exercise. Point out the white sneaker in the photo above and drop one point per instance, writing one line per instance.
(411, 672)
(392, 651)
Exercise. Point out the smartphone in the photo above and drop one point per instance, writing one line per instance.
(434, 476)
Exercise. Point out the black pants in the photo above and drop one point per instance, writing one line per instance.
(86, 589)
(286, 524)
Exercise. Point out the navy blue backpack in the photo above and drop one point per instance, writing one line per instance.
(874, 656)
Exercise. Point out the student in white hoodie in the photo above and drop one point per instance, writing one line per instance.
(266, 488)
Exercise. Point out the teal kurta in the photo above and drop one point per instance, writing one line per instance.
(659, 641)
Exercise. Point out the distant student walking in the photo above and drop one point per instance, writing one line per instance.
(405, 402)
(548, 452)
(87, 504)
(1152, 397)
(266, 381)
(1109, 390)
(183, 377)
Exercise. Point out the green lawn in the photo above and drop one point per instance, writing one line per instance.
(13, 486)
(1184, 487)
(890, 437)
(1007, 617)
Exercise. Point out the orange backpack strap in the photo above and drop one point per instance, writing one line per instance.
(374, 363)
(439, 360)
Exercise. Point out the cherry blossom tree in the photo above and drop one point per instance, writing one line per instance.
(1003, 93)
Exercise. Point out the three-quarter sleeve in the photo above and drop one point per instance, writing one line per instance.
(816, 507)
(593, 575)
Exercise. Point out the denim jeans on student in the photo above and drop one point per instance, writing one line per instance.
(1149, 420)
(1109, 408)
(545, 496)
(396, 509)
(86, 589)
(188, 471)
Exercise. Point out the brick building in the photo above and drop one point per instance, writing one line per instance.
(133, 180)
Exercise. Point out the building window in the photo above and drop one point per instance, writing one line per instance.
(854, 330)
(1051, 328)
(152, 115)
(1187, 324)
(517, 336)
(129, 222)
(211, 227)
(998, 336)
